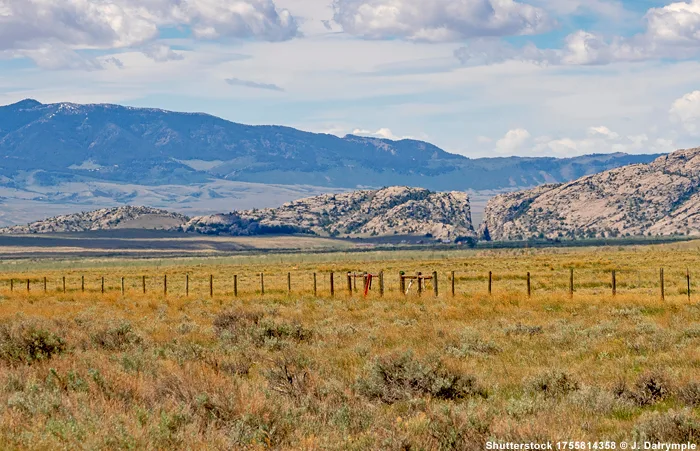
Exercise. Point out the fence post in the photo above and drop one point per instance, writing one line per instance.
(402, 284)
(64, 284)
(332, 284)
(262, 283)
(571, 282)
(687, 278)
(349, 284)
(45, 285)
(187, 284)
(82, 284)
(490, 282)
(381, 284)
(420, 284)
(661, 276)
(435, 283)
(529, 287)
(614, 283)
(235, 285)
(165, 285)
(27, 285)
(103, 285)
(315, 286)
(453, 283)
(289, 283)
(143, 282)
(211, 285)
(122, 286)
(12, 284)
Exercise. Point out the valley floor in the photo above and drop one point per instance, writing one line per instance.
(294, 370)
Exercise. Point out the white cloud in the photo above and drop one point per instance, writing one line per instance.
(512, 141)
(383, 133)
(161, 53)
(253, 84)
(672, 31)
(603, 132)
(686, 110)
(438, 20)
(33, 27)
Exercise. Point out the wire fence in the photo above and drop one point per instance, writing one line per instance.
(661, 282)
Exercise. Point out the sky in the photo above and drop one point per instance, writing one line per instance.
(474, 77)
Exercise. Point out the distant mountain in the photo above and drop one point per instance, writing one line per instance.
(394, 211)
(659, 198)
(49, 145)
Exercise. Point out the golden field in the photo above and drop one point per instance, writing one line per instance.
(86, 370)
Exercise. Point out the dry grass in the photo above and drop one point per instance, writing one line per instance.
(93, 371)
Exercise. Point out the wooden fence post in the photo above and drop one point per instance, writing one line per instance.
(614, 283)
(82, 284)
(12, 284)
(103, 285)
(402, 284)
(187, 284)
(687, 278)
(453, 283)
(165, 285)
(420, 284)
(529, 286)
(332, 284)
(661, 277)
(143, 283)
(381, 284)
(122, 286)
(571, 282)
(64, 284)
(490, 282)
(289, 283)
(211, 285)
(435, 283)
(27, 285)
(262, 283)
(349, 284)
(235, 285)
(315, 286)
(45, 285)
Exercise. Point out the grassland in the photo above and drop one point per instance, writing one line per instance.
(297, 371)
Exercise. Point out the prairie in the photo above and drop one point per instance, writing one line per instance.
(294, 370)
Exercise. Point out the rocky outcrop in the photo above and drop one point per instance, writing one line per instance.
(105, 219)
(367, 213)
(362, 214)
(659, 198)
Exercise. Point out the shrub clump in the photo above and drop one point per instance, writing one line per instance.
(399, 377)
(672, 427)
(689, 394)
(522, 329)
(235, 323)
(649, 389)
(28, 342)
(116, 338)
(553, 384)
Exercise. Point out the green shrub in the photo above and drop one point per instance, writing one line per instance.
(28, 342)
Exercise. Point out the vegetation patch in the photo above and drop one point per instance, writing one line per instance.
(26, 342)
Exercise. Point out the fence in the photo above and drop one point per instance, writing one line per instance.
(376, 284)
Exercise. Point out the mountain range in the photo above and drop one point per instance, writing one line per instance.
(64, 157)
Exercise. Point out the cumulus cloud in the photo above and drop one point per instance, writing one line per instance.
(438, 20)
(686, 110)
(31, 26)
(161, 53)
(253, 84)
(512, 141)
(383, 133)
(671, 31)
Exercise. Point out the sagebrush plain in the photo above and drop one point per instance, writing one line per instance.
(294, 370)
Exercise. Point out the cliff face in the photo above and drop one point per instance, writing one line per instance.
(369, 213)
(659, 198)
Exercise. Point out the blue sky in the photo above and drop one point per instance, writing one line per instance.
(475, 77)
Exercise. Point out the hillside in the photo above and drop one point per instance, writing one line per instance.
(368, 213)
(54, 144)
(659, 198)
